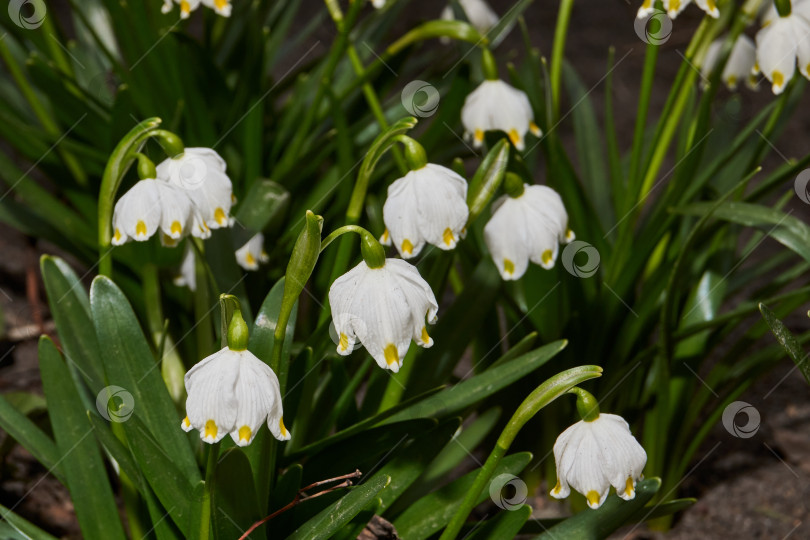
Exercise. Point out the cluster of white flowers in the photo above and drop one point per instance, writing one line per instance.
(674, 7)
(190, 195)
(782, 42)
(221, 7)
(741, 63)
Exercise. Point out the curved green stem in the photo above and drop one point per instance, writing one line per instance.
(373, 253)
(542, 396)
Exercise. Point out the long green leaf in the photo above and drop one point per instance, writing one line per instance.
(786, 340)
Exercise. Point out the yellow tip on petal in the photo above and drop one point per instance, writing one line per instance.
(185, 7)
(117, 235)
(425, 336)
(344, 342)
(514, 136)
(250, 259)
(674, 6)
(448, 237)
(712, 5)
(282, 427)
(407, 247)
(186, 422)
(385, 235)
(646, 4)
(210, 429)
(176, 227)
(547, 256)
(778, 79)
(140, 228)
(508, 266)
(535, 129)
(220, 4)
(557, 488)
(244, 433)
(593, 499)
(478, 136)
(629, 489)
(391, 354)
(219, 216)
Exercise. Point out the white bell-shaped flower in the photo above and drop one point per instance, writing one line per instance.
(782, 42)
(592, 456)
(201, 173)
(478, 12)
(526, 228)
(188, 271)
(186, 6)
(496, 105)
(252, 253)
(151, 205)
(220, 7)
(384, 308)
(741, 62)
(233, 392)
(426, 205)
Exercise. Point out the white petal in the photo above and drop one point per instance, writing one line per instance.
(710, 7)
(400, 214)
(507, 239)
(249, 255)
(776, 53)
(211, 405)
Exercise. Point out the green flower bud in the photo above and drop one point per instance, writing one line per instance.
(587, 406)
(414, 152)
(237, 332)
(303, 259)
(783, 7)
(371, 250)
(513, 185)
(488, 65)
(146, 169)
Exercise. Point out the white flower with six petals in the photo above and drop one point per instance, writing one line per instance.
(384, 308)
(233, 392)
(593, 456)
(496, 105)
(252, 253)
(426, 205)
(526, 228)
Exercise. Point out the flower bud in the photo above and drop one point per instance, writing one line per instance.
(237, 332)
(303, 258)
(587, 406)
(171, 143)
(513, 185)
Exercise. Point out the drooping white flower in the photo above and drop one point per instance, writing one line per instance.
(201, 173)
(526, 228)
(740, 62)
(478, 12)
(186, 7)
(496, 105)
(674, 7)
(426, 205)
(151, 205)
(782, 42)
(384, 308)
(592, 456)
(233, 392)
(252, 253)
(188, 271)
(378, 4)
(221, 7)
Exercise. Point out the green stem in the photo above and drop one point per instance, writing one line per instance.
(539, 398)
(647, 79)
(208, 499)
(560, 32)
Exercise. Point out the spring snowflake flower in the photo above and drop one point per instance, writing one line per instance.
(201, 172)
(252, 253)
(741, 62)
(233, 392)
(478, 12)
(151, 205)
(495, 105)
(592, 456)
(674, 7)
(528, 227)
(782, 42)
(383, 308)
(221, 7)
(188, 271)
(426, 205)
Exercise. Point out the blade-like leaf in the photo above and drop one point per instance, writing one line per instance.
(786, 340)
